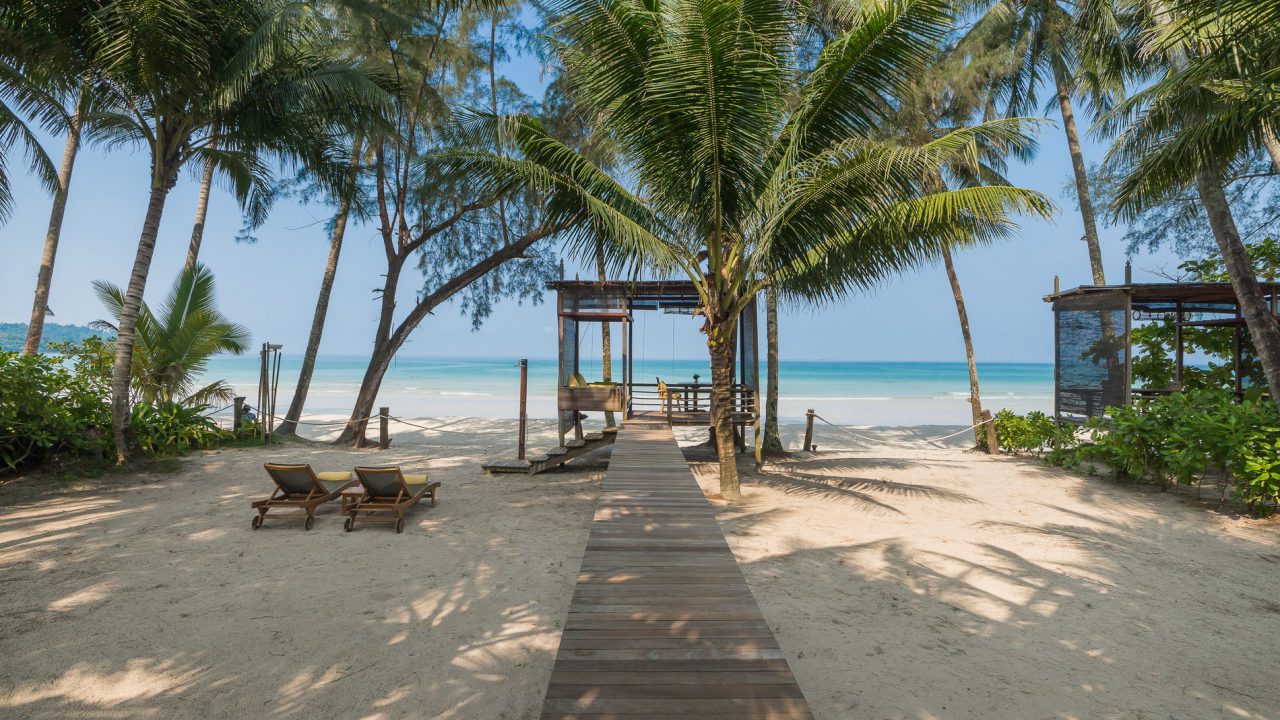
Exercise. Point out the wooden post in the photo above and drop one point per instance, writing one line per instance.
(524, 393)
(1128, 273)
(1057, 284)
(237, 415)
(808, 430)
(384, 437)
(993, 446)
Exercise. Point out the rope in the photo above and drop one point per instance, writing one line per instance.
(209, 413)
(440, 428)
(925, 440)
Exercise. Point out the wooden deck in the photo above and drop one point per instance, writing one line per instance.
(662, 624)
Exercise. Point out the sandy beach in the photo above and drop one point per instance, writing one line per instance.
(903, 579)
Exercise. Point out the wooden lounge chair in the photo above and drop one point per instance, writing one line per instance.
(388, 495)
(298, 486)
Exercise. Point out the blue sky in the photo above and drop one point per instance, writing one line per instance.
(270, 287)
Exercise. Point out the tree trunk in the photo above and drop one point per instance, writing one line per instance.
(1262, 325)
(290, 424)
(1082, 181)
(720, 343)
(120, 371)
(1272, 144)
(383, 350)
(606, 340)
(772, 443)
(202, 209)
(975, 397)
(44, 279)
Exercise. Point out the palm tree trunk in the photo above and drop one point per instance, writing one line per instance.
(290, 424)
(975, 397)
(202, 209)
(1262, 325)
(1082, 181)
(44, 279)
(606, 339)
(1272, 144)
(120, 371)
(772, 444)
(721, 346)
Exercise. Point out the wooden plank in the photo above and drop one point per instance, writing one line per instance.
(662, 623)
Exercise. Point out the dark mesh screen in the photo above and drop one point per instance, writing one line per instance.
(1091, 342)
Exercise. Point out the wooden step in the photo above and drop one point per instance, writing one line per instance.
(555, 457)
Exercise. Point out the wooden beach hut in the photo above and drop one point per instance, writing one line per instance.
(1093, 338)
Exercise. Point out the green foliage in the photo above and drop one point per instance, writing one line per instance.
(54, 404)
(1183, 438)
(58, 406)
(170, 428)
(1154, 343)
(172, 348)
(1032, 433)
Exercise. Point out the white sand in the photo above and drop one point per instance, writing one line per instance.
(903, 581)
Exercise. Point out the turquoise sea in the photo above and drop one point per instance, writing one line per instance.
(855, 393)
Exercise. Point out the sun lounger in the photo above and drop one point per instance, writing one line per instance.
(388, 495)
(300, 487)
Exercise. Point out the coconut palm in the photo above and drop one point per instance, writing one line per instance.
(1058, 45)
(739, 183)
(253, 73)
(1208, 110)
(45, 75)
(172, 348)
(347, 203)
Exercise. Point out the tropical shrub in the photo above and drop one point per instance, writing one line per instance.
(54, 404)
(1184, 438)
(1032, 433)
(170, 428)
(172, 347)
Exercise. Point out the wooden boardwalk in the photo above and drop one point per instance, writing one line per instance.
(662, 624)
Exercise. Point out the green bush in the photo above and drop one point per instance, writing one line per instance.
(170, 428)
(1033, 433)
(60, 406)
(54, 404)
(1187, 438)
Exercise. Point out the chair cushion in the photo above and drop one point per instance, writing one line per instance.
(342, 476)
(415, 479)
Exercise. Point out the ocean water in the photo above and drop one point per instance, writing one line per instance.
(853, 393)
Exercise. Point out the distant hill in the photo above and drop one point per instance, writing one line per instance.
(14, 335)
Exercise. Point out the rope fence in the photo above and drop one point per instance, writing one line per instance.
(923, 440)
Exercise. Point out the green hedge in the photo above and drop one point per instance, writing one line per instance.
(1184, 438)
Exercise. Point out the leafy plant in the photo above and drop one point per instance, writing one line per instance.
(172, 348)
(1032, 433)
(169, 428)
(54, 404)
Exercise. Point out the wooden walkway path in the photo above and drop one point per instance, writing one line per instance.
(662, 624)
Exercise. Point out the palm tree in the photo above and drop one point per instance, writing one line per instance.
(253, 73)
(1208, 110)
(771, 443)
(346, 200)
(44, 74)
(737, 187)
(172, 349)
(1046, 44)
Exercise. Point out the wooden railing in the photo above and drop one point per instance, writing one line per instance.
(688, 399)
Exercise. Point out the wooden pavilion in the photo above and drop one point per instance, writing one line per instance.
(1093, 338)
(679, 401)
